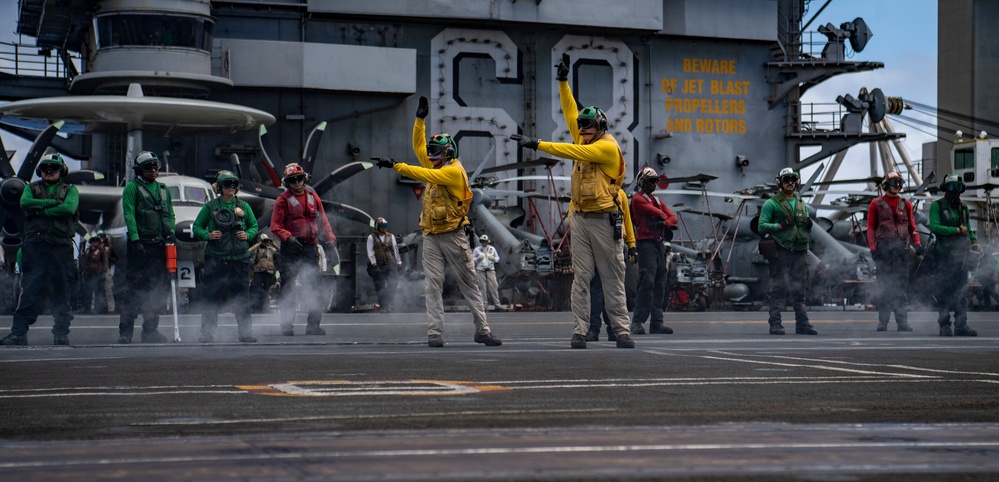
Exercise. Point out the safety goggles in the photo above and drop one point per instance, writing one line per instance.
(296, 179)
(230, 184)
(49, 168)
(789, 179)
(587, 123)
(150, 167)
(435, 150)
(896, 183)
(953, 187)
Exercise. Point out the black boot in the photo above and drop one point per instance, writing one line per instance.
(592, 335)
(660, 329)
(611, 336)
(776, 329)
(963, 329)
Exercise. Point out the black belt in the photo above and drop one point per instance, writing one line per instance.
(593, 215)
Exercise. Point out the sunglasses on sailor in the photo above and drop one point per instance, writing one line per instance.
(152, 166)
(296, 179)
(789, 179)
(230, 184)
(49, 168)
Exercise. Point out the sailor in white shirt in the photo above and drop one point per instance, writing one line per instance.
(484, 258)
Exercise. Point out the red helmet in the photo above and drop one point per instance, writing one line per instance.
(893, 178)
(292, 170)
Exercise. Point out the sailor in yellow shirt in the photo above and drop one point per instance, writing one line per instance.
(445, 204)
(598, 216)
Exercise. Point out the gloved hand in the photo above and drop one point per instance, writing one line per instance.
(633, 255)
(562, 68)
(329, 247)
(423, 109)
(785, 223)
(875, 255)
(170, 239)
(294, 243)
(919, 249)
(524, 141)
(384, 162)
(808, 224)
(136, 248)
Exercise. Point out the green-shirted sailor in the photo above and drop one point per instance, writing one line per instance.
(50, 216)
(228, 224)
(149, 220)
(785, 217)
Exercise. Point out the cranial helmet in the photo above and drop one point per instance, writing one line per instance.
(787, 171)
(381, 223)
(292, 170)
(592, 116)
(144, 162)
(442, 148)
(953, 183)
(222, 178)
(893, 178)
(484, 238)
(647, 174)
(53, 159)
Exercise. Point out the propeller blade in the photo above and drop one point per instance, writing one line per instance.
(339, 175)
(312, 146)
(349, 212)
(272, 160)
(37, 150)
(262, 190)
(6, 170)
(236, 167)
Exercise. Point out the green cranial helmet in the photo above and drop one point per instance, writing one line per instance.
(442, 147)
(225, 175)
(592, 116)
(952, 183)
(52, 160)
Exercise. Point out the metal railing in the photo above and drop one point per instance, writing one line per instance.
(813, 118)
(29, 61)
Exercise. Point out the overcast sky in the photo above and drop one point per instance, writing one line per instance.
(905, 40)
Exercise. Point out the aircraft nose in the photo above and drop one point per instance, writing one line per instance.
(185, 232)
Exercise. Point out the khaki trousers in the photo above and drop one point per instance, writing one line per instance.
(439, 251)
(596, 252)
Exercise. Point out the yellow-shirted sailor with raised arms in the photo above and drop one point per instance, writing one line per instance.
(597, 214)
(443, 221)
